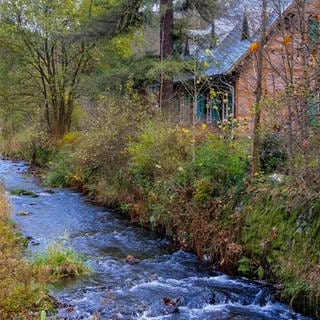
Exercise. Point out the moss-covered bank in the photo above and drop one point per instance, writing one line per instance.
(281, 240)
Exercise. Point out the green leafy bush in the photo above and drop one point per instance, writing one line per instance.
(159, 150)
(60, 169)
(218, 166)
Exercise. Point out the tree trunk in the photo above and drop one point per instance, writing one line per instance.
(255, 163)
(166, 51)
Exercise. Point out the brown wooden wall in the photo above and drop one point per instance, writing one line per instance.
(285, 39)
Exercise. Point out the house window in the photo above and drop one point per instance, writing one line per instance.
(313, 32)
(205, 112)
(215, 109)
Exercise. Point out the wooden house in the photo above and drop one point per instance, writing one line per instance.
(225, 85)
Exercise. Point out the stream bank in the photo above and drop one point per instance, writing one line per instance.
(118, 290)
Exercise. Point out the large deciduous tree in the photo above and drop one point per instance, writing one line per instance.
(43, 30)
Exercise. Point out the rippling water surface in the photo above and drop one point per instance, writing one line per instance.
(118, 290)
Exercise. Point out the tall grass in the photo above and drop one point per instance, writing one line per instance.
(22, 291)
(23, 284)
(58, 262)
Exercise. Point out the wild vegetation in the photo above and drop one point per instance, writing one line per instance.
(262, 228)
(59, 262)
(82, 111)
(23, 291)
(24, 282)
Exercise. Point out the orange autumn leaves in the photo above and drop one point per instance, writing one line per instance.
(254, 46)
(287, 40)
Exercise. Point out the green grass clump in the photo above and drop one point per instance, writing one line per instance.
(22, 192)
(59, 262)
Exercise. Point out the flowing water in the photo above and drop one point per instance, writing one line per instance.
(118, 290)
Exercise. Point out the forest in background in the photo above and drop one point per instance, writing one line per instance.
(75, 101)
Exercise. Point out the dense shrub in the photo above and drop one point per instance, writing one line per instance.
(176, 168)
(159, 150)
(96, 158)
(219, 165)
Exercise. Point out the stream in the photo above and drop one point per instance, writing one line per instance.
(118, 290)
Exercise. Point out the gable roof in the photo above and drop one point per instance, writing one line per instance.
(232, 49)
(223, 58)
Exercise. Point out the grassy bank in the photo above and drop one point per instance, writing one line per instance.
(194, 185)
(281, 240)
(23, 292)
(24, 283)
